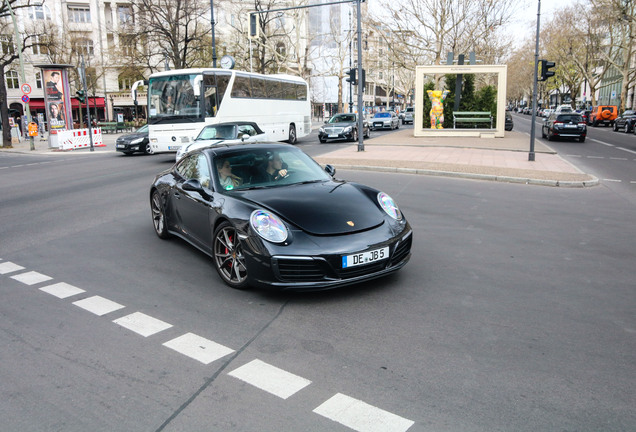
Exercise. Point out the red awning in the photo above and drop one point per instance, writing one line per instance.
(93, 102)
(38, 104)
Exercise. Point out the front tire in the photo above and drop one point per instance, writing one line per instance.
(147, 149)
(159, 216)
(354, 135)
(228, 256)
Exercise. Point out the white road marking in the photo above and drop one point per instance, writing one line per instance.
(62, 290)
(612, 180)
(361, 416)
(569, 155)
(627, 150)
(8, 267)
(31, 278)
(198, 348)
(142, 324)
(270, 378)
(615, 158)
(595, 157)
(98, 305)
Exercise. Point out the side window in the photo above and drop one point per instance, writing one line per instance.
(203, 170)
(186, 167)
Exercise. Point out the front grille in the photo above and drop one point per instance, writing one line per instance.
(299, 270)
(334, 130)
(402, 250)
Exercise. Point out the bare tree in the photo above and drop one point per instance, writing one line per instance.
(8, 56)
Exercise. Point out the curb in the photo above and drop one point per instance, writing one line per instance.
(594, 181)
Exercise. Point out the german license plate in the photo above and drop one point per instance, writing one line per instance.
(174, 147)
(121, 145)
(365, 257)
(569, 126)
(332, 136)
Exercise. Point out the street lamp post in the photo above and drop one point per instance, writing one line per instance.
(18, 42)
(213, 39)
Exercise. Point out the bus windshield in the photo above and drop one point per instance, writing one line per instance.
(172, 96)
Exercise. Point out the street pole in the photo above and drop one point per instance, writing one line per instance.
(534, 90)
(18, 41)
(213, 39)
(88, 107)
(360, 83)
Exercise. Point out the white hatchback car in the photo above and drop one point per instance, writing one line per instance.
(223, 133)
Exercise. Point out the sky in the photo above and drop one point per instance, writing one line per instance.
(524, 25)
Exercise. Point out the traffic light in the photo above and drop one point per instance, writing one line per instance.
(364, 77)
(80, 96)
(253, 24)
(545, 69)
(352, 76)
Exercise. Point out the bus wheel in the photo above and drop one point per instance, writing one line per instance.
(292, 135)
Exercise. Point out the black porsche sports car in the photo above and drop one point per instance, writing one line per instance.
(270, 216)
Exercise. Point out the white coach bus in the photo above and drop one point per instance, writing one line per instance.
(181, 102)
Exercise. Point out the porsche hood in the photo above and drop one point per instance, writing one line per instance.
(324, 208)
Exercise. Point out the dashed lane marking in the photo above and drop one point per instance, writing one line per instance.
(612, 180)
(98, 305)
(62, 290)
(343, 409)
(9, 267)
(142, 324)
(270, 378)
(361, 416)
(198, 348)
(31, 278)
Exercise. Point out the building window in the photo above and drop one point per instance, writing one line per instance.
(79, 14)
(40, 45)
(12, 80)
(38, 80)
(380, 75)
(127, 43)
(83, 46)
(6, 42)
(280, 49)
(41, 12)
(124, 14)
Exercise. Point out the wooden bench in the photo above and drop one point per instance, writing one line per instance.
(471, 117)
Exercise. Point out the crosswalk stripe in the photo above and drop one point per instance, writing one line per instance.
(98, 305)
(31, 278)
(361, 416)
(62, 290)
(142, 324)
(270, 378)
(9, 267)
(198, 348)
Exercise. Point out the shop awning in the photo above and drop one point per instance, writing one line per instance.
(38, 104)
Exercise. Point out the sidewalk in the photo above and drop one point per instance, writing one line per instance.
(496, 159)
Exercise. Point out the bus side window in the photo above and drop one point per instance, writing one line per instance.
(241, 88)
(210, 102)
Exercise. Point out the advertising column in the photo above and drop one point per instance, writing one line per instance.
(57, 101)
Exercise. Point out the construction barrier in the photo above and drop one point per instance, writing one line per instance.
(79, 138)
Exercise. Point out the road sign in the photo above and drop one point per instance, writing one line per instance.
(25, 98)
(26, 88)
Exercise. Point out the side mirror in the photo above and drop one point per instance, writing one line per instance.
(245, 136)
(326, 121)
(193, 185)
(330, 170)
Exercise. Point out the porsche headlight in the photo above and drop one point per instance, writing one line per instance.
(269, 226)
(389, 206)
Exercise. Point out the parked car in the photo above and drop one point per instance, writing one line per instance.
(605, 114)
(301, 230)
(565, 125)
(547, 112)
(135, 142)
(408, 115)
(509, 123)
(342, 126)
(385, 120)
(564, 109)
(222, 133)
(625, 121)
(585, 114)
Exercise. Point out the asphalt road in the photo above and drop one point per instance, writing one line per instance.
(608, 155)
(516, 312)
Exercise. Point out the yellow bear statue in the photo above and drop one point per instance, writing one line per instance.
(437, 110)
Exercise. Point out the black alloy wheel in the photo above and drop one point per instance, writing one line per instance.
(354, 135)
(228, 256)
(158, 216)
(147, 149)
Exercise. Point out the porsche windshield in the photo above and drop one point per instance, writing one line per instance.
(255, 169)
